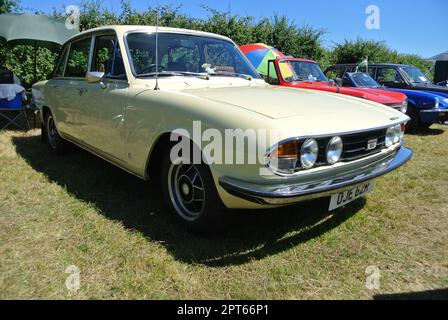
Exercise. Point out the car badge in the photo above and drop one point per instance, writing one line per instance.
(371, 144)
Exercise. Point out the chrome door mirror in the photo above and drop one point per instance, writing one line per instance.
(94, 77)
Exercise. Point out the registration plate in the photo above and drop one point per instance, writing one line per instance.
(342, 198)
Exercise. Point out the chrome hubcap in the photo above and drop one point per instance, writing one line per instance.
(186, 190)
(52, 133)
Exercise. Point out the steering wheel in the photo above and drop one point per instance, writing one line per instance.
(152, 68)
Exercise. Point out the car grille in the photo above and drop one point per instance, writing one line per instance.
(355, 145)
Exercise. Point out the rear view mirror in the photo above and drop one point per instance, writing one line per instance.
(94, 77)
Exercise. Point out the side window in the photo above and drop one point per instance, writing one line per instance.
(372, 72)
(333, 73)
(78, 59)
(59, 71)
(388, 75)
(271, 77)
(107, 57)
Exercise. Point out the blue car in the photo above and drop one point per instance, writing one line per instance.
(424, 107)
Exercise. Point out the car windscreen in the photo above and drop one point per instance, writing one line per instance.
(414, 75)
(185, 54)
(296, 70)
(363, 80)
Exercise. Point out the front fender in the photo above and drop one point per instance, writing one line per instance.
(150, 114)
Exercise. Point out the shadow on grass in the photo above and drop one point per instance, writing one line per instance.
(438, 294)
(427, 132)
(138, 206)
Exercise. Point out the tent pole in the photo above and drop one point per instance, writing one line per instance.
(35, 61)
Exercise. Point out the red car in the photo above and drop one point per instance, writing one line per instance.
(306, 74)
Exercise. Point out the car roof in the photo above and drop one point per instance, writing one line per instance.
(371, 65)
(122, 30)
(295, 59)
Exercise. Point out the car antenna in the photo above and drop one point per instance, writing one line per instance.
(157, 46)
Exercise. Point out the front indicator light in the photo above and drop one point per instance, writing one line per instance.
(283, 159)
(404, 106)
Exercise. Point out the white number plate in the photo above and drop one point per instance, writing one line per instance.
(342, 198)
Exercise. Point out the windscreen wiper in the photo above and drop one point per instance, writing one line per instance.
(239, 75)
(173, 74)
(159, 74)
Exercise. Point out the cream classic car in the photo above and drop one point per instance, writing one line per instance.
(131, 95)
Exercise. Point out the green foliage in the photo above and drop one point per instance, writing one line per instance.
(377, 52)
(20, 60)
(8, 6)
(278, 31)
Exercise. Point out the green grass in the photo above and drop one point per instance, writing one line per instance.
(79, 210)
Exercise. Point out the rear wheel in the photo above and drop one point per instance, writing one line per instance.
(54, 140)
(191, 195)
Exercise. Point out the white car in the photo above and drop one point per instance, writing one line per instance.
(118, 97)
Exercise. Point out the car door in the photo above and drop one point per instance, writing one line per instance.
(390, 77)
(70, 89)
(55, 96)
(102, 105)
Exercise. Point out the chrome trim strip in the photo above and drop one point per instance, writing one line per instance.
(434, 110)
(287, 194)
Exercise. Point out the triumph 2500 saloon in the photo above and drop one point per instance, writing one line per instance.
(187, 109)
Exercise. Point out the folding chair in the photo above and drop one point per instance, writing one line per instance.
(12, 116)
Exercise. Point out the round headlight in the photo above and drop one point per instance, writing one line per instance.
(334, 150)
(404, 106)
(393, 135)
(308, 153)
(397, 135)
(390, 133)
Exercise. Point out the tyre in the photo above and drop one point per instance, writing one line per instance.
(52, 137)
(414, 124)
(190, 193)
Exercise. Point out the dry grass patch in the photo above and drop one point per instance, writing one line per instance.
(79, 210)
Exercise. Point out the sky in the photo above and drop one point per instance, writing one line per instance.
(409, 26)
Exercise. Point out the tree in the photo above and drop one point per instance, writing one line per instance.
(8, 6)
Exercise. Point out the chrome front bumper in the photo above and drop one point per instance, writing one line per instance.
(287, 194)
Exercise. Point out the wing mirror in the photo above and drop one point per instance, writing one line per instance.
(96, 77)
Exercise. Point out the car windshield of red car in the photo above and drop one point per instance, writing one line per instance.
(296, 70)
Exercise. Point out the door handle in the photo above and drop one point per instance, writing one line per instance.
(81, 91)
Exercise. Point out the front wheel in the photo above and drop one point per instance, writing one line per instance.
(191, 195)
(414, 124)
